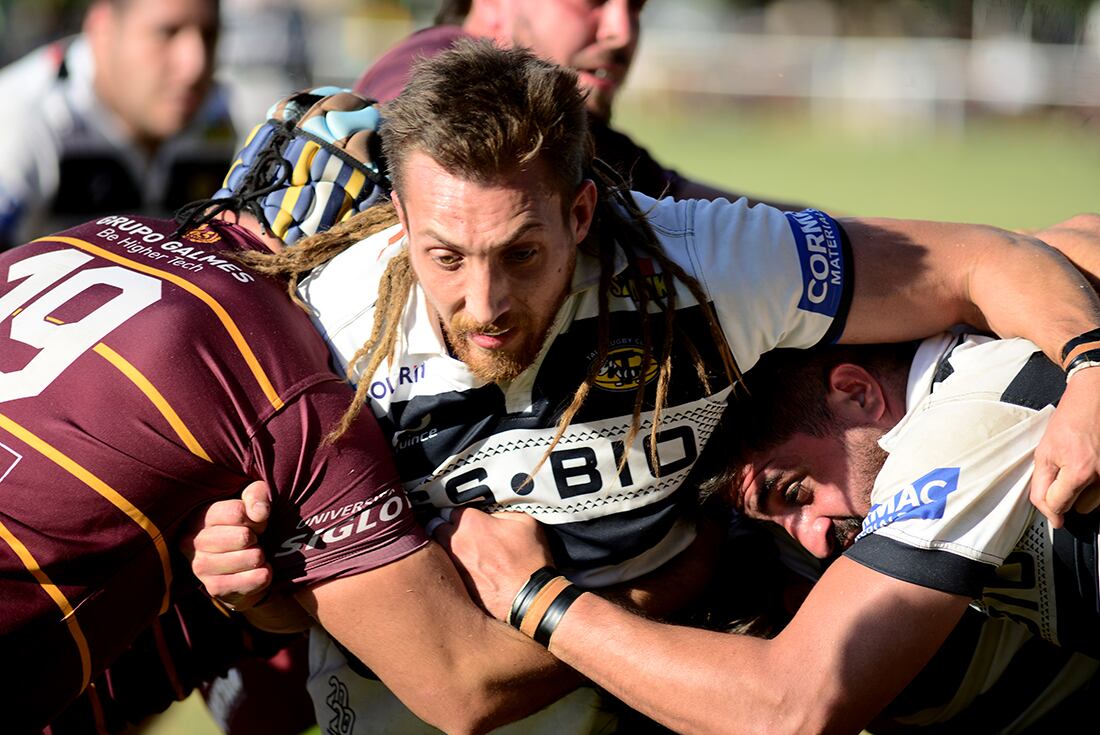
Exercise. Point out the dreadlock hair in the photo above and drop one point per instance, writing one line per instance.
(786, 393)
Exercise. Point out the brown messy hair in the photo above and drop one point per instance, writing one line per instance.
(480, 112)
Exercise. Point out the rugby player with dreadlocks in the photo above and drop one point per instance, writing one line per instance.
(533, 337)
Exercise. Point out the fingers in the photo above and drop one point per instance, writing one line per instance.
(1042, 480)
(241, 590)
(1089, 500)
(257, 503)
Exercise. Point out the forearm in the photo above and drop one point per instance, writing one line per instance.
(1077, 238)
(412, 623)
(690, 680)
(858, 639)
(929, 276)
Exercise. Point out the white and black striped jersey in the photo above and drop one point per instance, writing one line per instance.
(773, 279)
(950, 508)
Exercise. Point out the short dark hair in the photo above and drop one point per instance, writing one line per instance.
(479, 111)
(785, 394)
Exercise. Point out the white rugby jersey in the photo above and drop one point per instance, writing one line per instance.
(774, 279)
(950, 508)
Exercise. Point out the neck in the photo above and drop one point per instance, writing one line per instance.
(250, 223)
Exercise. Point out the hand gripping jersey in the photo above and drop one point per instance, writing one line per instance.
(950, 508)
(773, 279)
(66, 159)
(141, 377)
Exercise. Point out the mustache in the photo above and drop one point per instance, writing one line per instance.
(844, 530)
(462, 325)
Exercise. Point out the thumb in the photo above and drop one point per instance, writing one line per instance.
(257, 504)
(1043, 481)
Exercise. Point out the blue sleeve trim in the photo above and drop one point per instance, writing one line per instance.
(824, 254)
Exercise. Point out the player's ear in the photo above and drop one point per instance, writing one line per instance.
(583, 210)
(854, 394)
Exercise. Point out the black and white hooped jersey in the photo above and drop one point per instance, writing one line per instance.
(950, 508)
(773, 279)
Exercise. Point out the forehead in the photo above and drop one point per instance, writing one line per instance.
(169, 12)
(432, 198)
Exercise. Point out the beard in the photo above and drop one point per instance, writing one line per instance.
(866, 458)
(495, 366)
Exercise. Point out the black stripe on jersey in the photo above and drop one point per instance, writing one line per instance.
(836, 329)
(932, 568)
(944, 368)
(1075, 582)
(1014, 693)
(1039, 383)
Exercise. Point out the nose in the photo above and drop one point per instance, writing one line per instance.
(488, 293)
(812, 531)
(618, 24)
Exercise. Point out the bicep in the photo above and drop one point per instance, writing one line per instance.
(861, 636)
(909, 279)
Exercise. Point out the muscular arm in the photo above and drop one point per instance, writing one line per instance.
(1077, 238)
(916, 278)
(410, 621)
(857, 640)
(413, 624)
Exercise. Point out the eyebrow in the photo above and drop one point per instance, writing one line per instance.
(765, 489)
(516, 236)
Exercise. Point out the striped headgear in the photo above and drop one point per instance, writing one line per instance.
(315, 162)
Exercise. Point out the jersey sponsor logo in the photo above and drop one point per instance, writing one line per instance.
(415, 435)
(584, 477)
(817, 238)
(656, 284)
(406, 375)
(139, 239)
(923, 499)
(339, 704)
(622, 370)
(362, 516)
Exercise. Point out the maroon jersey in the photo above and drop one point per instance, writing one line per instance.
(142, 377)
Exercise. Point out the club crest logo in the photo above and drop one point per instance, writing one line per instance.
(204, 234)
(623, 369)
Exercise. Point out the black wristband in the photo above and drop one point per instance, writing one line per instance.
(538, 579)
(1093, 335)
(554, 614)
(1086, 358)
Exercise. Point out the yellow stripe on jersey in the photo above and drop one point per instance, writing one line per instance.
(155, 397)
(223, 316)
(67, 612)
(106, 491)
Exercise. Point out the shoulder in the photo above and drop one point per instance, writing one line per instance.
(344, 290)
(387, 76)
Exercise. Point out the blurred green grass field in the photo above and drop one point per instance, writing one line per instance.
(1015, 173)
(1019, 173)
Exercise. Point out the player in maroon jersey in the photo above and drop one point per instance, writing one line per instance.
(145, 372)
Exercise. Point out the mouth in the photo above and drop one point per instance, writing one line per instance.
(494, 340)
